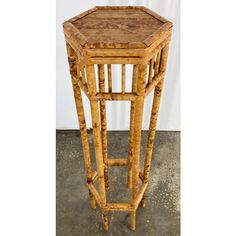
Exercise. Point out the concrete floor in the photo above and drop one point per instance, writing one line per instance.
(160, 217)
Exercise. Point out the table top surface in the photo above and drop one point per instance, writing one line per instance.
(117, 27)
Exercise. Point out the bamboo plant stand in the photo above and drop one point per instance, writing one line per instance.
(97, 39)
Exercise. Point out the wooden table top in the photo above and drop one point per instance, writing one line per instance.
(116, 27)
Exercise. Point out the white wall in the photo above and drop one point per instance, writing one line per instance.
(118, 112)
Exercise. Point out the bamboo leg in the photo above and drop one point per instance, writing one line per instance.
(134, 88)
(153, 121)
(82, 73)
(83, 129)
(151, 135)
(138, 115)
(132, 219)
(103, 122)
(97, 142)
(71, 59)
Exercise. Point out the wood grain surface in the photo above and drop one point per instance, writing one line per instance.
(117, 27)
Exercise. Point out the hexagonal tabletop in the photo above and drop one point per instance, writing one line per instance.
(116, 27)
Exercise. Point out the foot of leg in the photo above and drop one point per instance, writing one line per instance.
(132, 220)
(104, 221)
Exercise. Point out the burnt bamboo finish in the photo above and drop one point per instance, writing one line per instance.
(101, 77)
(95, 40)
(130, 158)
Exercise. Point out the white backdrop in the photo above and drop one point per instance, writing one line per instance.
(118, 112)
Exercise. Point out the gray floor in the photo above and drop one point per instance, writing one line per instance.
(160, 217)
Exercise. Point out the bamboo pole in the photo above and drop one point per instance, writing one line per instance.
(71, 60)
(118, 206)
(97, 142)
(138, 117)
(132, 218)
(101, 78)
(117, 162)
(94, 193)
(123, 79)
(134, 88)
(164, 57)
(109, 78)
(82, 124)
(153, 120)
(116, 96)
(82, 73)
(150, 71)
(157, 63)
